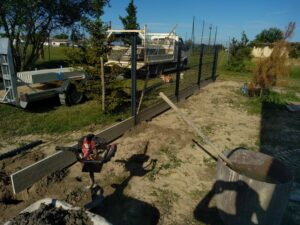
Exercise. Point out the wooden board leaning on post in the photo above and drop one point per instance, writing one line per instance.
(197, 130)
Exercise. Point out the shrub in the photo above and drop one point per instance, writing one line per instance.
(239, 51)
(272, 70)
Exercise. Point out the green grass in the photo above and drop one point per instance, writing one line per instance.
(16, 121)
(58, 58)
(231, 75)
(165, 200)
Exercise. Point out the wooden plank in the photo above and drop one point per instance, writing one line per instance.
(153, 110)
(24, 178)
(183, 94)
(117, 130)
(27, 176)
(48, 75)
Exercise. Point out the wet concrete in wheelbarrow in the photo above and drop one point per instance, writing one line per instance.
(49, 214)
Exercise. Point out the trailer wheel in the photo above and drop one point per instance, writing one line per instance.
(71, 96)
(74, 96)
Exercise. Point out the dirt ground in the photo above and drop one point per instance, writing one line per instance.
(158, 176)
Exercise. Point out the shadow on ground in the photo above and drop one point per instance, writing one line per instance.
(280, 129)
(280, 137)
(212, 215)
(118, 208)
(43, 105)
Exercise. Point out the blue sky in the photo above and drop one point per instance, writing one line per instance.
(230, 16)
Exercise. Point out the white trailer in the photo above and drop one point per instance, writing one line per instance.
(156, 50)
(29, 86)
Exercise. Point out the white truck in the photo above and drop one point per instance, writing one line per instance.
(159, 51)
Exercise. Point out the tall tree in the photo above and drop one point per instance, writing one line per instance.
(239, 51)
(130, 20)
(244, 39)
(33, 21)
(88, 58)
(270, 35)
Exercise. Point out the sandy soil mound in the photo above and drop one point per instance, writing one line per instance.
(5, 194)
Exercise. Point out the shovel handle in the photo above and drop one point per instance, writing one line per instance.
(197, 130)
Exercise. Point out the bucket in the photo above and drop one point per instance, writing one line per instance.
(256, 194)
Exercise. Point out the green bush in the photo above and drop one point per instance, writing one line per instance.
(239, 52)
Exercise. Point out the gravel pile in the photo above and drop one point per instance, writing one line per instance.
(49, 214)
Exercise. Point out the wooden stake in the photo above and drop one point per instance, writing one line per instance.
(102, 84)
(143, 92)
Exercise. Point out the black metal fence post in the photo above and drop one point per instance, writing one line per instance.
(214, 68)
(178, 71)
(200, 64)
(133, 76)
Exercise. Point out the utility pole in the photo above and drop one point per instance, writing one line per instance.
(216, 35)
(202, 32)
(193, 33)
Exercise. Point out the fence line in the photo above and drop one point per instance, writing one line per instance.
(26, 177)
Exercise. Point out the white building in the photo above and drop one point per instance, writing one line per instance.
(57, 42)
(261, 52)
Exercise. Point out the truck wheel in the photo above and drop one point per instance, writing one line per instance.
(159, 70)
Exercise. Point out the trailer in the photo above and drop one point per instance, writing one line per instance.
(158, 51)
(22, 88)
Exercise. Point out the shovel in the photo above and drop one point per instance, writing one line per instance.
(199, 133)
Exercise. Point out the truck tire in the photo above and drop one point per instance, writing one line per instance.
(156, 70)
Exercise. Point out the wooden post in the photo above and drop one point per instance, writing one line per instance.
(133, 76)
(200, 64)
(214, 68)
(178, 67)
(144, 89)
(102, 84)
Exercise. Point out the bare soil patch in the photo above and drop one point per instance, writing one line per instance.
(158, 176)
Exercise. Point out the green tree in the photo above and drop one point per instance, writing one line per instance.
(239, 51)
(33, 21)
(88, 58)
(130, 20)
(244, 39)
(270, 35)
(75, 35)
(61, 36)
